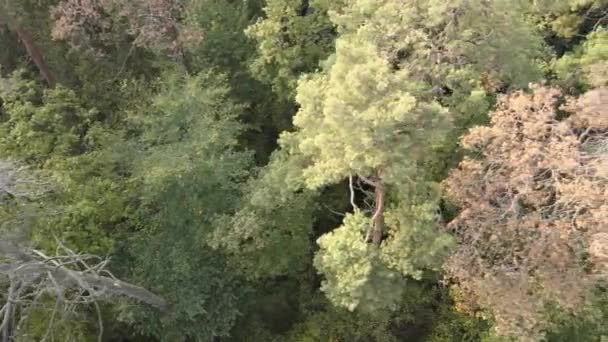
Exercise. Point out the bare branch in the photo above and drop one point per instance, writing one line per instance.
(352, 192)
(49, 329)
(368, 181)
(73, 279)
(20, 182)
(99, 322)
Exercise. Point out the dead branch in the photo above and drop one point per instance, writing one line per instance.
(71, 278)
(18, 181)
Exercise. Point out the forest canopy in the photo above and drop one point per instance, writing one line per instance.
(303, 170)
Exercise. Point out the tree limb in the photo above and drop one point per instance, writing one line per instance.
(352, 192)
(70, 278)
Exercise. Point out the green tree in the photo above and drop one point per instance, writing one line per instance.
(570, 19)
(226, 48)
(400, 75)
(291, 40)
(586, 66)
(270, 233)
(52, 130)
(189, 170)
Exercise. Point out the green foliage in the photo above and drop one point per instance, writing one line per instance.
(425, 314)
(225, 44)
(456, 326)
(53, 131)
(36, 133)
(8, 58)
(383, 106)
(291, 40)
(42, 323)
(567, 18)
(586, 66)
(203, 291)
(227, 49)
(415, 244)
(361, 116)
(452, 44)
(164, 159)
(188, 171)
(269, 234)
(340, 325)
(589, 325)
(353, 270)
(192, 122)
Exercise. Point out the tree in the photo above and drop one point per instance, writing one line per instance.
(74, 280)
(155, 138)
(533, 208)
(586, 66)
(570, 19)
(53, 131)
(269, 235)
(10, 15)
(227, 49)
(152, 24)
(188, 172)
(291, 40)
(401, 73)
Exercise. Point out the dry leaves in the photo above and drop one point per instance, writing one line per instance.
(534, 221)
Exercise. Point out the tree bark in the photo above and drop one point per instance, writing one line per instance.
(35, 54)
(378, 218)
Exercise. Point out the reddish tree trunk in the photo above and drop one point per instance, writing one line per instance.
(36, 55)
(378, 218)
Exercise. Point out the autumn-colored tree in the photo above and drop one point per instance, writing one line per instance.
(534, 197)
(150, 23)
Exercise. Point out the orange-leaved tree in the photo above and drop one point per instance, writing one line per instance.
(533, 225)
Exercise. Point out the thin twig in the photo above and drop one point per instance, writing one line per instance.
(333, 211)
(49, 328)
(368, 181)
(8, 308)
(99, 322)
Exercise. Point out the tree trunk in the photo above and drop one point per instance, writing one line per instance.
(378, 218)
(35, 54)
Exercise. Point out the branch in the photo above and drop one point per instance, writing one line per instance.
(7, 309)
(20, 182)
(368, 181)
(99, 322)
(352, 193)
(94, 281)
(34, 265)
